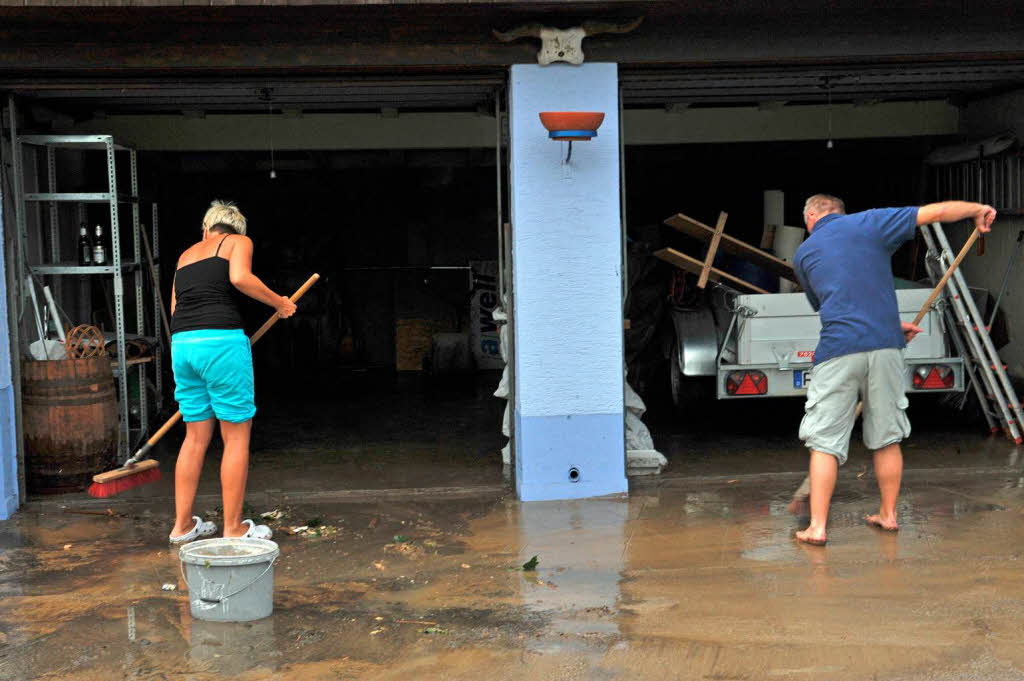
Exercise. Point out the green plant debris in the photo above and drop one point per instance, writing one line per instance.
(531, 564)
(401, 539)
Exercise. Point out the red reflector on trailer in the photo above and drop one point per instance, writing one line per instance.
(746, 383)
(937, 377)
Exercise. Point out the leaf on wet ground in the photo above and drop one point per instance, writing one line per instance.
(531, 564)
(401, 539)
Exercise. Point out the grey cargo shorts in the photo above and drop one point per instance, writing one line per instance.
(876, 377)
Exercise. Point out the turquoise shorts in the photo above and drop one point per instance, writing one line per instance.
(213, 375)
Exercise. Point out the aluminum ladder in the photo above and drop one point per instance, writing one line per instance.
(995, 393)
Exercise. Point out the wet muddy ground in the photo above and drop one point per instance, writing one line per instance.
(410, 566)
(689, 578)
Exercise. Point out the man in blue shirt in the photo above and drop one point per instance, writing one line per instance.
(845, 269)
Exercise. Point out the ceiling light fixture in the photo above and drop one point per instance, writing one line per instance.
(828, 113)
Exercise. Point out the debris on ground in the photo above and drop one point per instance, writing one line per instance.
(435, 630)
(314, 522)
(108, 512)
(319, 530)
(373, 522)
(401, 539)
(466, 566)
(276, 514)
(378, 631)
(531, 564)
(378, 564)
(67, 547)
(406, 549)
(169, 587)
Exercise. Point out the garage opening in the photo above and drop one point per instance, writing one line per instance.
(755, 143)
(386, 187)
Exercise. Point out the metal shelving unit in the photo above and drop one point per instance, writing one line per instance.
(119, 268)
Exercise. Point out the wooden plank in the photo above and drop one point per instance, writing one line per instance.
(732, 245)
(712, 250)
(685, 262)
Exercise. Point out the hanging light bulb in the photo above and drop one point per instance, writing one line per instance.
(270, 130)
(828, 113)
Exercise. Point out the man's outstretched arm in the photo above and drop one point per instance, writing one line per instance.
(952, 211)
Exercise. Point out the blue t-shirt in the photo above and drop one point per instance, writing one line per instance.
(845, 267)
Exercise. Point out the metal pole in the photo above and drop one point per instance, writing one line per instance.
(497, 178)
(115, 248)
(157, 310)
(51, 183)
(140, 312)
(19, 194)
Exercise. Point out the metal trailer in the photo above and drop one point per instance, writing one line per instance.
(762, 345)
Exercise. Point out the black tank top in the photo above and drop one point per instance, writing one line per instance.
(205, 297)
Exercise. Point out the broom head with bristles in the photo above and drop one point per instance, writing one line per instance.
(122, 479)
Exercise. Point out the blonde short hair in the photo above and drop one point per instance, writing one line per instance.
(826, 203)
(225, 212)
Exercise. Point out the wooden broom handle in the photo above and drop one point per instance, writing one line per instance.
(252, 340)
(945, 277)
(273, 318)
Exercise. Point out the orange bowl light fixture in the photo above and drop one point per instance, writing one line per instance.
(571, 126)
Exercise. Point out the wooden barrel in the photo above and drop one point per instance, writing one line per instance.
(70, 422)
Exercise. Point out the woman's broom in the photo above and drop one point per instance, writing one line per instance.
(137, 472)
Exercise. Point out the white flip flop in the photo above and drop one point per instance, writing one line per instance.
(257, 531)
(203, 528)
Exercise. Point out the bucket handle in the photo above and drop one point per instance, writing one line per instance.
(181, 567)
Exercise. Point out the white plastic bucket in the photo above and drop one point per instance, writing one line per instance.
(230, 579)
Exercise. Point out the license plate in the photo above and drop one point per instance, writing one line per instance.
(801, 378)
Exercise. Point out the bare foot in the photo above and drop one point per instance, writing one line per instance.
(812, 537)
(887, 523)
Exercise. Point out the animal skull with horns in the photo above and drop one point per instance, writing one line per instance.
(564, 45)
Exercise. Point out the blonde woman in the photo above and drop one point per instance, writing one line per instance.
(212, 366)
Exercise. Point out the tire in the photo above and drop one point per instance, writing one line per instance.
(689, 393)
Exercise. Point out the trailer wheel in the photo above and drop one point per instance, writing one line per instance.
(689, 392)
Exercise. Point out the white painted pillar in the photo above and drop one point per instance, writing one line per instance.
(566, 240)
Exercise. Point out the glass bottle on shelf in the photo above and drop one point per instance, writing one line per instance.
(99, 254)
(84, 246)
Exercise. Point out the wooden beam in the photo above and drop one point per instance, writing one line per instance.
(237, 39)
(732, 245)
(685, 262)
(712, 250)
